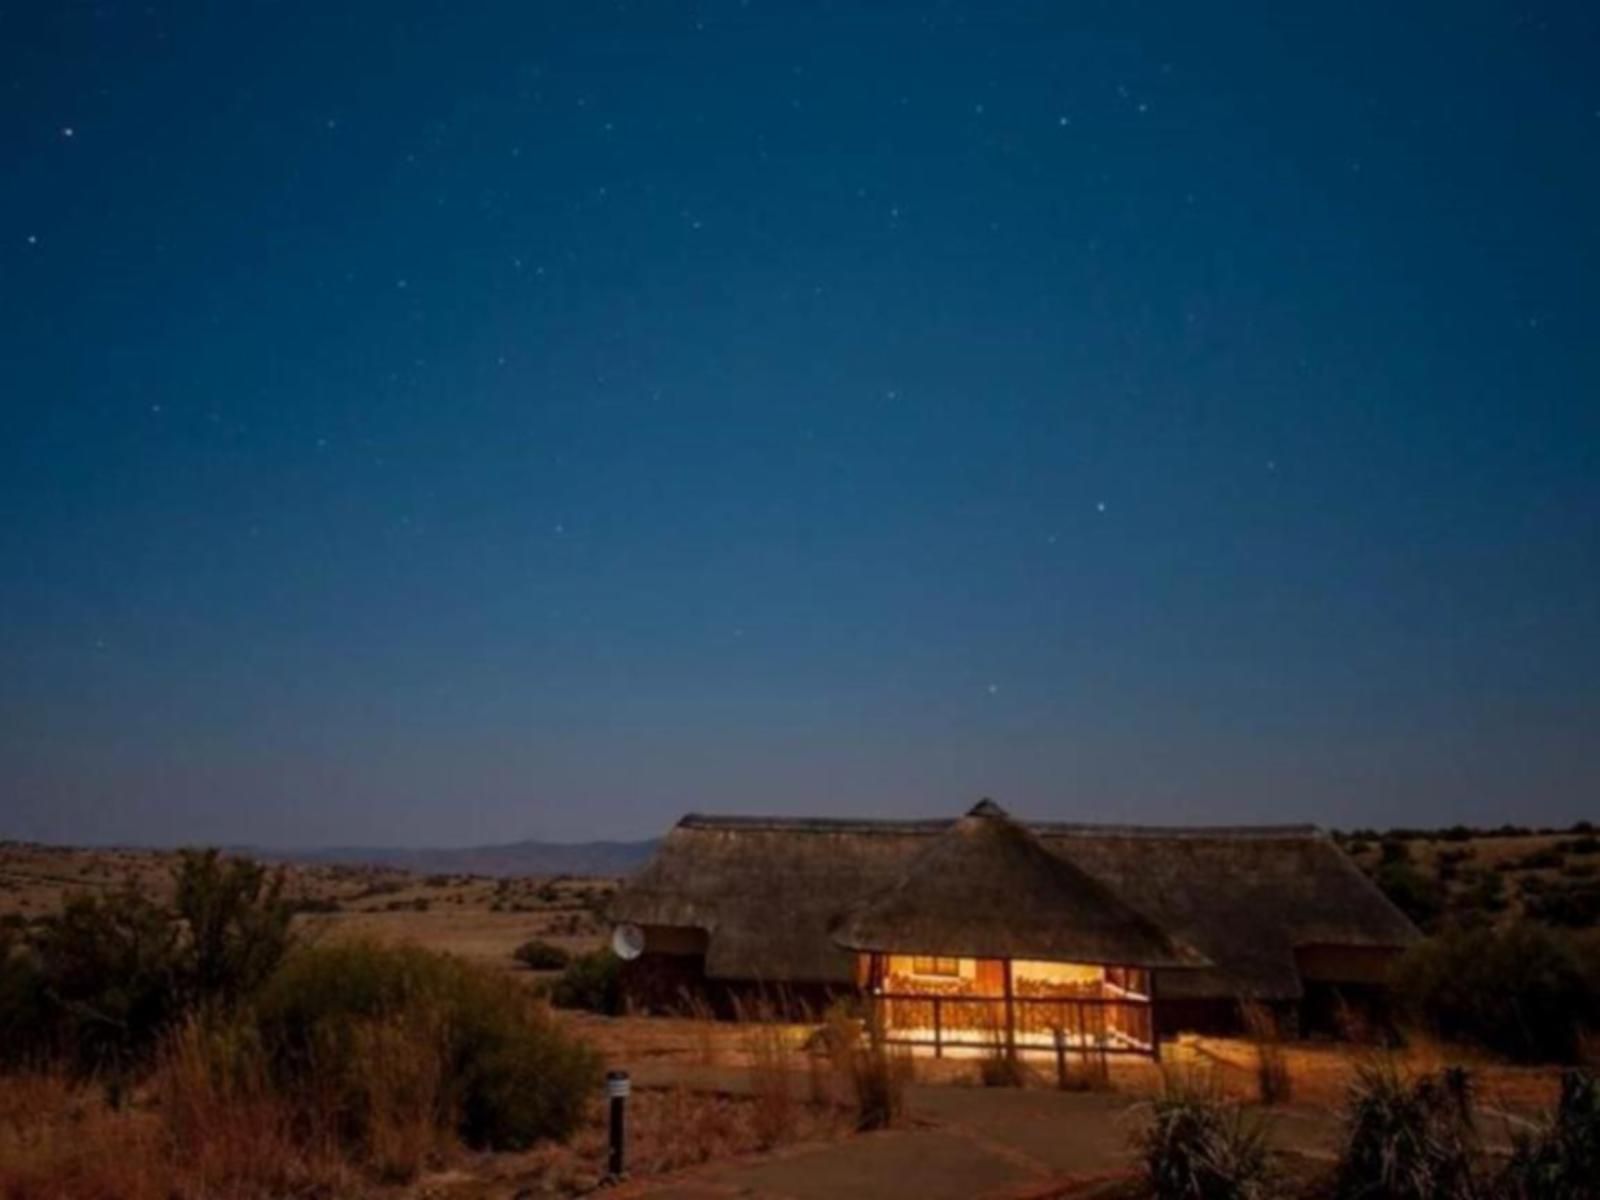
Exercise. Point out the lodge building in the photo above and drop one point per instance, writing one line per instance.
(960, 934)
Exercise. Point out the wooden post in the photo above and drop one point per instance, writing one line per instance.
(875, 1004)
(1155, 1024)
(1011, 1015)
(938, 1030)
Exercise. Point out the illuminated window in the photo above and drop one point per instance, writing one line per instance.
(927, 965)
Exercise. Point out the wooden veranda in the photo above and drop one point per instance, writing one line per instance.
(965, 1006)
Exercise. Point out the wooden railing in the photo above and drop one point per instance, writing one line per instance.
(1099, 1024)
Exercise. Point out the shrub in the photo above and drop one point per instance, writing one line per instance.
(315, 904)
(775, 1107)
(1547, 859)
(1197, 1147)
(999, 1069)
(1573, 904)
(1392, 850)
(591, 981)
(105, 985)
(237, 922)
(1561, 1161)
(25, 1011)
(878, 1080)
(1273, 1083)
(540, 955)
(1407, 1139)
(1412, 892)
(98, 984)
(1484, 891)
(1522, 991)
(509, 1075)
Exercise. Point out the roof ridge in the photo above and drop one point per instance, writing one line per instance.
(930, 825)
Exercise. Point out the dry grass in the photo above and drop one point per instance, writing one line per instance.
(1274, 1084)
(63, 1142)
(774, 1083)
(57, 1141)
(474, 917)
(385, 1098)
(698, 1010)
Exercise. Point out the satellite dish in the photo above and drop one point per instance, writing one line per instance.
(627, 942)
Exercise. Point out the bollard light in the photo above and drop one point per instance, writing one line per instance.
(617, 1088)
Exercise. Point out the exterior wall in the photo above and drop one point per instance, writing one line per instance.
(1345, 993)
(1216, 1016)
(669, 979)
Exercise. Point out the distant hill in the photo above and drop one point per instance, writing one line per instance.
(512, 858)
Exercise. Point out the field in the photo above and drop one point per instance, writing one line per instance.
(1465, 877)
(746, 1108)
(474, 917)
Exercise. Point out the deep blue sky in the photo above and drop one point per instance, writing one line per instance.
(439, 423)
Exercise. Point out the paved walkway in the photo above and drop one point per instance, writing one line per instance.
(963, 1143)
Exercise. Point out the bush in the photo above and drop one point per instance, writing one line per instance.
(510, 1075)
(1483, 891)
(237, 922)
(540, 955)
(999, 1069)
(97, 985)
(1198, 1147)
(25, 1014)
(1407, 1139)
(101, 982)
(878, 1080)
(1523, 991)
(591, 981)
(1273, 1082)
(1548, 859)
(1412, 892)
(1572, 904)
(320, 905)
(1561, 1161)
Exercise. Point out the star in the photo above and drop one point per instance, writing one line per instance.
(994, 688)
(68, 131)
(1100, 506)
(33, 239)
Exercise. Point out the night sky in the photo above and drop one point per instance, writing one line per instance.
(459, 422)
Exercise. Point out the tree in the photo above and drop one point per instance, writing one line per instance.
(237, 923)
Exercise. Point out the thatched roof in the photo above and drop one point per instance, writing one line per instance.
(1245, 898)
(986, 887)
(772, 892)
